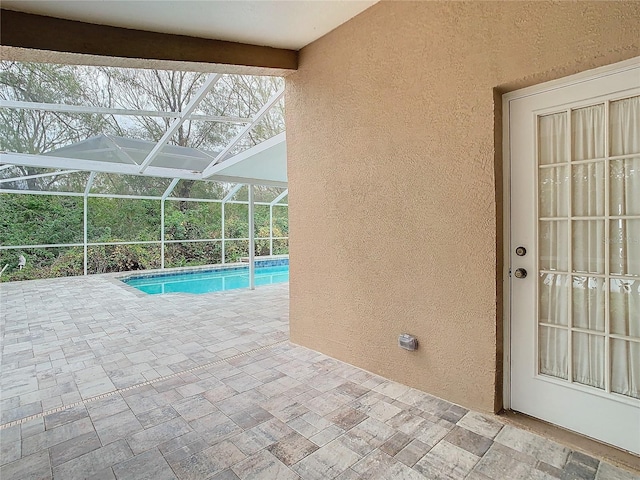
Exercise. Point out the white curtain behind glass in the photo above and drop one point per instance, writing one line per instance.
(625, 245)
(554, 203)
(590, 245)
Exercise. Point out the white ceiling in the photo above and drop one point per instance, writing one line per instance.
(288, 24)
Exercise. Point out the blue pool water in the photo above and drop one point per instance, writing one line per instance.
(204, 281)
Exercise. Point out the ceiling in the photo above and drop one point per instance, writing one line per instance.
(289, 24)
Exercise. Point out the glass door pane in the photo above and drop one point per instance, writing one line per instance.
(589, 246)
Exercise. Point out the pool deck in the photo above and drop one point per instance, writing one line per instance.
(99, 380)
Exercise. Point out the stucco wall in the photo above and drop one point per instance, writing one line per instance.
(393, 170)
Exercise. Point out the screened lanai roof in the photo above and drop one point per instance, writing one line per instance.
(263, 163)
(266, 163)
(110, 149)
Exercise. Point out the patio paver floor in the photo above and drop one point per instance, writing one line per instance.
(118, 384)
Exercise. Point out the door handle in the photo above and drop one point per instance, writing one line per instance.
(520, 273)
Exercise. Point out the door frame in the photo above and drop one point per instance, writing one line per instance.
(577, 78)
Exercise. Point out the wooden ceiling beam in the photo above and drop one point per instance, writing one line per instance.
(22, 31)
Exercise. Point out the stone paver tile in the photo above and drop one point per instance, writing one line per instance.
(208, 462)
(49, 438)
(470, 441)
(501, 462)
(272, 430)
(65, 451)
(302, 427)
(579, 457)
(219, 393)
(316, 420)
(179, 442)
(10, 444)
(69, 398)
(22, 386)
(272, 388)
(105, 407)
(430, 433)
(326, 435)
(413, 452)
(144, 402)
(242, 382)
(454, 413)
(156, 416)
(115, 427)
(250, 442)
(346, 417)
(414, 397)
(573, 471)
(106, 474)
(292, 448)
(170, 360)
(380, 410)
(374, 432)
(190, 389)
(379, 465)
(251, 417)
(51, 403)
(93, 381)
(446, 461)
(263, 465)
(186, 450)
(406, 421)
(215, 427)
(391, 389)
(476, 476)
(141, 356)
(351, 389)
(480, 424)
(194, 407)
(433, 405)
(94, 462)
(149, 465)
(349, 474)
(396, 443)
(20, 412)
(287, 410)
(355, 443)
(65, 416)
(225, 475)
(144, 390)
(154, 436)
(534, 445)
(551, 470)
(32, 427)
(609, 472)
(34, 466)
(327, 462)
(325, 403)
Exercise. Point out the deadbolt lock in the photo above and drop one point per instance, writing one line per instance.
(521, 251)
(520, 273)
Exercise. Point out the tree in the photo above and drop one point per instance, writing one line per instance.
(34, 131)
(161, 90)
(48, 219)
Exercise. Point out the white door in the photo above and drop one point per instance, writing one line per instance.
(574, 152)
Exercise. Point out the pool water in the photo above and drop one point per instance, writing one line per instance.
(205, 281)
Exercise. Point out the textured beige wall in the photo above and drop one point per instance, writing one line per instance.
(392, 177)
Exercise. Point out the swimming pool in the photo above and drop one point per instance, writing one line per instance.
(209, 280)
